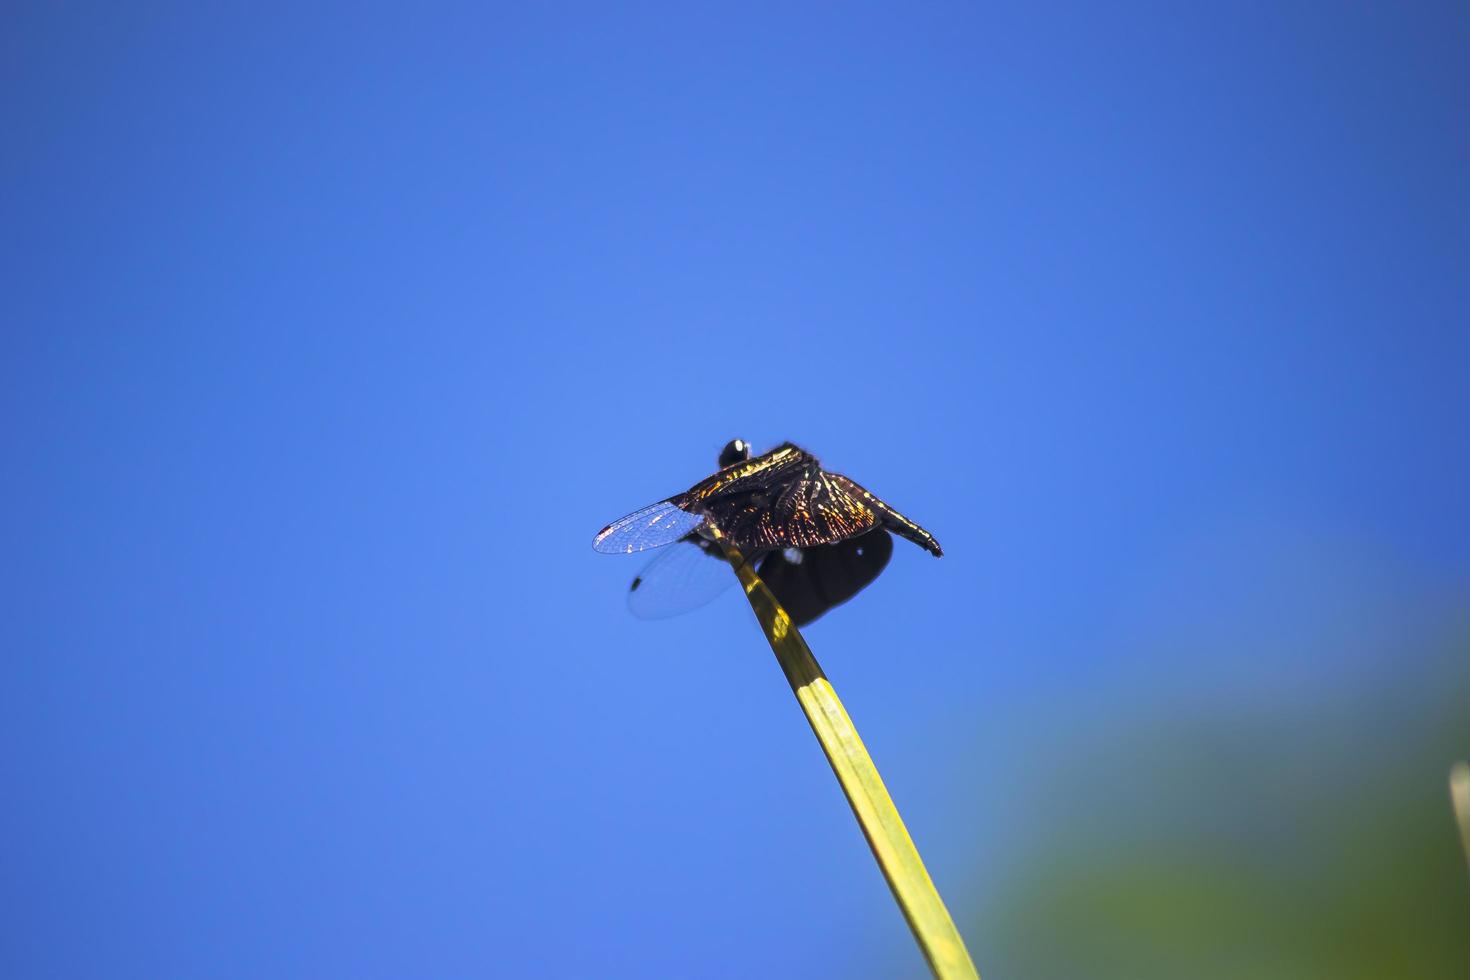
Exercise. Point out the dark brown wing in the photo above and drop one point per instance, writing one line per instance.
(804, 508)
(889, 517)
(764, 472)
(669, 520)
(810, 581)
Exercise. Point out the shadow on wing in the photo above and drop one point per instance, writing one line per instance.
(825, 576)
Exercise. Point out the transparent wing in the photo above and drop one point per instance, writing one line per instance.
(652, 527)
(681, 578)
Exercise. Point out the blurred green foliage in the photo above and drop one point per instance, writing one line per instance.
(1315, 841)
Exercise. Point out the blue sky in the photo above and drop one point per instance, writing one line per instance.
(333, 335)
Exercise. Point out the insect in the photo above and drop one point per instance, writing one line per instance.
(817, 538)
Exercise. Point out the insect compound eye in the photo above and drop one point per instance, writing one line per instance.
(735, 451)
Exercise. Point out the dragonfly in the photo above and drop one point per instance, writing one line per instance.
(817, 537)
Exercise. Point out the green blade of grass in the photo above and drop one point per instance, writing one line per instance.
(897, 857)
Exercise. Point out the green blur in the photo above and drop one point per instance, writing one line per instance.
(1308, 840)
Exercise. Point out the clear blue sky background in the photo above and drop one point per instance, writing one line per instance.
(331, 336)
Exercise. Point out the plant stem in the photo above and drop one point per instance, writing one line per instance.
(894, 850)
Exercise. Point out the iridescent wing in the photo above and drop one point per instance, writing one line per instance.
(806, 508)
(809, 581)
(652, 527)
(683, 577)
(891, 518)
(748, 476)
